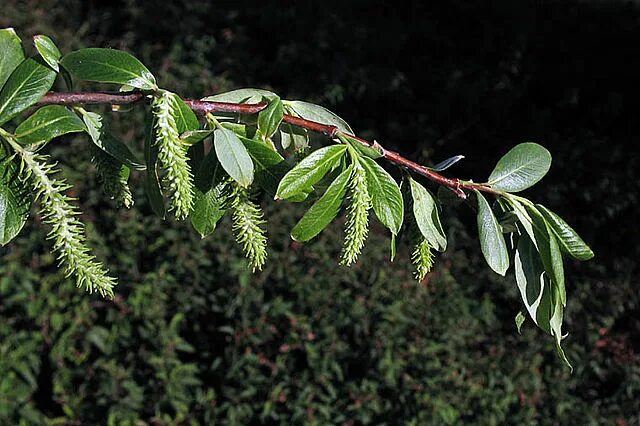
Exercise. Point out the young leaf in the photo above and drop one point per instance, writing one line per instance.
(318, 114)
(385, 194)
(48, 50)
(103, 139)
(184, 116)
(529, 276)
(270, 167)
(293, 136)
(324, 210)
(247, 95)
(47, 123)
(26, 85)
(269, 119)
(14, 199)
(109, 66)
(444, 165)
(192, 137)
(309, 171)
(549, 251)
(569, 240)
(492, 241)
(12, 53)
(233, 156)
(425, 211)
(521, 167)
(209, 208)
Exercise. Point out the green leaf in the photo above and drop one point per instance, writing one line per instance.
(530, 277)
(549, 251)
(109, 66)
(208, 209)
(152, 181)
(14, 199)
(270, 167)
(293, 136)
(192, 137)
(29, 82)
(210, 173)
(324, 210)
(521, 167)
(12, 53)
(184, 116)
(48, 50)
(246, 95)
(233, 156)
(365, 150)
(309, 171)
(386, 198)
(103, 139)
(425, 212)
(555, 322)
(570, 241)
(318, 114)
(492, 241)
(47, 123)
(269, 119)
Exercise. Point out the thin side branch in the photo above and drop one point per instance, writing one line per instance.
(204, 107)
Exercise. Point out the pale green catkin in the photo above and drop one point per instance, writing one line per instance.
(357, 227)
(422, 258)
(111, 173)
(172, 156)
(67, 232)
(248, 226)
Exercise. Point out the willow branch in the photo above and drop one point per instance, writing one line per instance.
(203, 107)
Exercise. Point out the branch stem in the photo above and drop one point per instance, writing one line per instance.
(206, 107)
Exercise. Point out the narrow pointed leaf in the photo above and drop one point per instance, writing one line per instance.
(99, 132)
(109, 66)
(444, 165)
(233, 156)
(519, 320)
(270, 167)
(12, 53)
(48, 50)
(29, 82)
(47, 123)
(570, 241)
(425, 211)
(492, 243)
(309, 171)
(319, 114)
(386, 198)
(184, 116)
(15, 199)
(549, 251)
(192, 137)
(521, 167)
(245, 95)
(208, 209)
(324, 210)
(269, 119)
(529, 273)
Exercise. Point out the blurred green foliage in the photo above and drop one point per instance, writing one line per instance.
(194, 338)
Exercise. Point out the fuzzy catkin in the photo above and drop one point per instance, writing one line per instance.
(67, 232)
(172, 156)
(357, 227)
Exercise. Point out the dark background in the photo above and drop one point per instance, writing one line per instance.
(194, 337)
